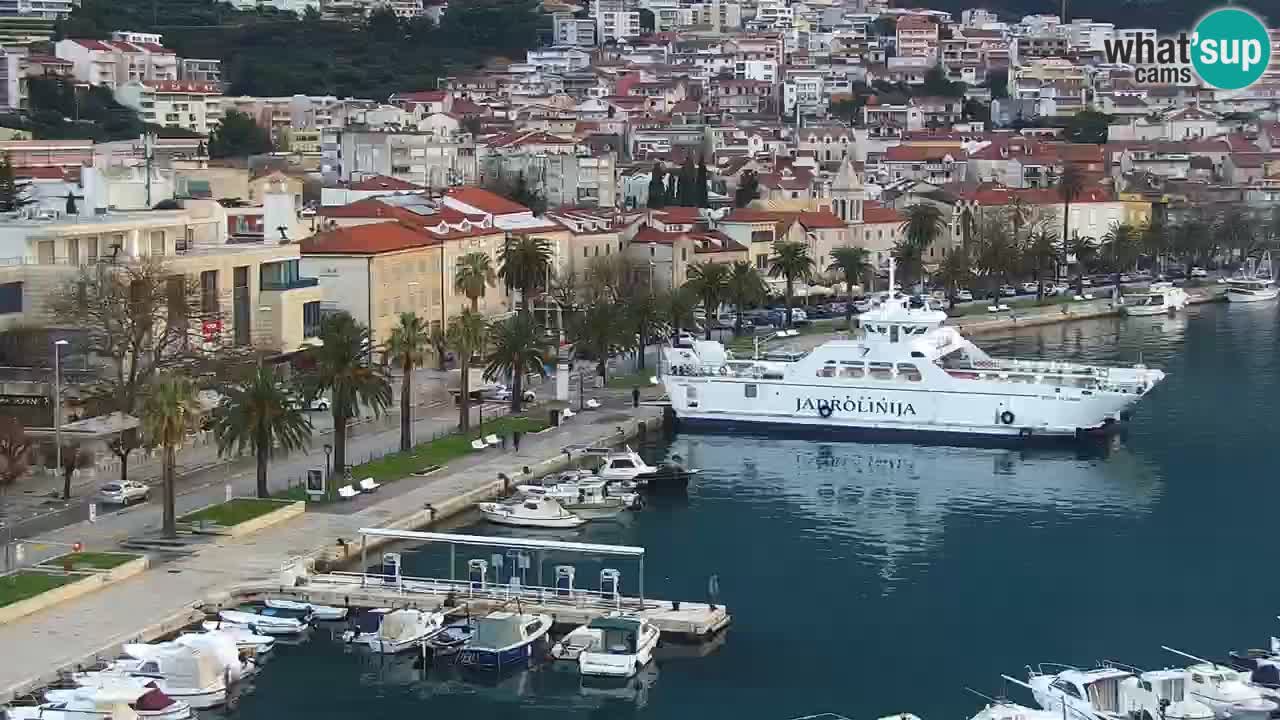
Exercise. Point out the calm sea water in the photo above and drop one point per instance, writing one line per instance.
(876, 579)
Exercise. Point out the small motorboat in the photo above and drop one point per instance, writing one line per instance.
(1161, 298)
(365, 623)
(323, 613)
(452, 638)
(402, 630)
(104, 701)
(191, 675)
(1225, 690)
(536, 512)
(236, 663)
(588, 499)
(626, 464)
(1004, 710)
(612, 646)
(505, 640)
(259, 645)
(264, 621)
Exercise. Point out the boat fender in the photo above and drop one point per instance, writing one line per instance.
(724, 370)
(1006, 417)
(824, 409)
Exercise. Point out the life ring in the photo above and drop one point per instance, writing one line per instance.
(1006, 417)
(724, 370)
(824, 409)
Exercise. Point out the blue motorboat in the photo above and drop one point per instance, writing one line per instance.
(505, 640)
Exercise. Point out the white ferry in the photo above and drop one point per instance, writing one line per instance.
(906, 374)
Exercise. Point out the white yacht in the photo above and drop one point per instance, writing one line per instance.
(626, 465)
(612, 646)
(266, 621)
(1160, 298)
(537, 512)
(402, 630)
(259, 645)
(1224, 690)
(1254, 282)
(908, 374)
(1114, 692)
(590, 499)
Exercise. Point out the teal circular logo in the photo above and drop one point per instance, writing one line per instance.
(1230, 48)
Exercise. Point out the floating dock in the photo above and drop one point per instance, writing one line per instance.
(483, 590)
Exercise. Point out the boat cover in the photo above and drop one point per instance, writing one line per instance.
(186, 667)
(153, 700)
(401, 626)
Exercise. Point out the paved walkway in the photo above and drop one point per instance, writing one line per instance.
(95, 623)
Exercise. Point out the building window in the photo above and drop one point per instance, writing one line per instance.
(10, 298)
(684, 254)
(311, 319)
(209, 292)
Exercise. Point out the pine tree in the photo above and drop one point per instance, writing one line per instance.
(703, 199)
(13, 193)
(657, 191)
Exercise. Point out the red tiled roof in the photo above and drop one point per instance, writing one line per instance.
(676, 215)
(914, 22)
(486, 201)
(651, 235)
(384, 182)
(874, 213)
(922, 153)
(715, 242)
(369, 239)
(158, 49)
(92, 44)
(527, 137)
(38, 59)
(420, 96)
(1000, 195)
(821, 220)
(122, 45)
(40, 173)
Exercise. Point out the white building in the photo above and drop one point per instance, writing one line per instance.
(13, 78)
(114, 62)
(174, 103)
(614, 21)
(773, 14)
(764, 70)
(47, 9)
(1089, 35)
(569, 30)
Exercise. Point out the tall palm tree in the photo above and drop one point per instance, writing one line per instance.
(598, 331)
(473, 276)
(744, 287)
(169, 412)
(258, 414)
(677, 306)
(923, 225)
(1120, 250)
(790, 260)
(997, 254)
(466, 335)
(525, 264)
(516, 349)
(344, 370)
(710, 282)
(855, 264)
(1085, 251)
(1155, 238)
(407, 348)
(1039, 254)
(1070, 187)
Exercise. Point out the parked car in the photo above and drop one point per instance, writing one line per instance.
(1175, 274)
(799, 316)
(1027, 288)
(1199, 272)
(964, 295)
(862, 304)
(1008, 291)
(1126, 277)
(684, 339)
(502, 393)
(124, 492)
(1061, 289)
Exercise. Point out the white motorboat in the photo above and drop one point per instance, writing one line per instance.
(505, 640)
(266, 622)
(105, 702)
(613, 646)
(1114, 692)
(236, 663)
(326, 613)
(1004, 710)
(907, 375)
(627, 465)
(589, 499)
(402, 630)
(535, 512)
(1225, 690)
(1161, 298)
(259, 645)
(1253, 283)
(183, 673)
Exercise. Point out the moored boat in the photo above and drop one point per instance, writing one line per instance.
(1161, 298)
(104, 701)
(612, 646)
(589, 499)
(327, 613)
(532, 512)
(191, 675)
(1253, 283)
(264, 621)
(626, 465)
(402, 630)
(505, 640)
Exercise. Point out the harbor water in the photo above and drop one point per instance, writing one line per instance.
(872, 579)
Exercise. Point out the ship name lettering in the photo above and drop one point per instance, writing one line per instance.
(863, 404)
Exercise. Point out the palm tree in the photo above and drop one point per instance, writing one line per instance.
(259, 414)
(1039, 254)
(517, 349)
(598, 331)
(744, 287)
(1070, 186)
(525, 266)
(169, 412)
(407, 348)
(790, 260)
(997, 253)
(955, 272)
(466, 335)
(1119, 250)
(855, 264)
(641, 313)
(710, 282)
(473, 276)
(344, 370)
(1085, 250)
(924, 225)
(1156, 239)
(677, 306)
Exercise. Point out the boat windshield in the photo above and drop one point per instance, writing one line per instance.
(619, 642)
(497, 633)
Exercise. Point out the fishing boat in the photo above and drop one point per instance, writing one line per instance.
(504, 640)
(1113, 692)
(612, 646)
(325, 613)
(402, 630)
(104, 701)
(1254, 282)
(627, 465)
(1161, 298)
(533, 512)
(907, 375)
(183, 673)
(589, 499)
(264, 621)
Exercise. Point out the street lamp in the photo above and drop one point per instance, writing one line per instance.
(57, 401)
(328, 450)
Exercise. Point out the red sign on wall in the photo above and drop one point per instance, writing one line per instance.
(212, 329)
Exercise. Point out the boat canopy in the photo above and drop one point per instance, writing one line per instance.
(399, 626)
(184, 667)
(614, 623)
(498, 630)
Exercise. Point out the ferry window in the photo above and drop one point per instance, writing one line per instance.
(851, 372)
(828, 370)
(882, 371)
(917, 353)
(909, 371)
(893, 333)
(749, 390)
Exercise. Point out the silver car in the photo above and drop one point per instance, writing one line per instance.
(124, 492)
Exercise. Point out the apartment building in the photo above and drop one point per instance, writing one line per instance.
(297, 6)
(569, 30)
(429, 159)
(615, 20)
(193, 106)
(917, 35)
(200, 70)
(13, 78)
(127, 57)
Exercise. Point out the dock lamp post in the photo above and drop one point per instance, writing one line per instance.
(328, 450)
(57, 401)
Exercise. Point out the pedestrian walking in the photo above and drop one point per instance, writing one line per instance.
(635, 397)
(516, 441)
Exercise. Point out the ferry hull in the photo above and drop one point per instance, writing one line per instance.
(955, 437)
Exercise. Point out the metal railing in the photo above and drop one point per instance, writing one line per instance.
(470, 589)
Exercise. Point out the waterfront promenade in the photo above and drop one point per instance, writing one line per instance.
(163, 599)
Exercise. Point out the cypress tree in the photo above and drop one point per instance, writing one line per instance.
(703, 199)
(657, 191)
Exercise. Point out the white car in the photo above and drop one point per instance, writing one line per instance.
(503, 394)
(963, 296)
(1029, 287)
(1199, 272)
(798, 315)
(125, 492)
